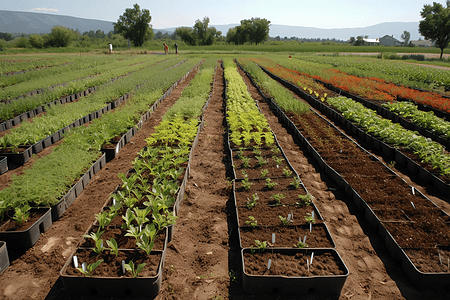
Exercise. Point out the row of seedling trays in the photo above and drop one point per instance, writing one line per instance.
(425, 262)
(286, 247)
(18, 236)
(123, 252)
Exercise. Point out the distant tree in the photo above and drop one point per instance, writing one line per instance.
(359, 41)
(435, 25)
(406, 36)
(134, 25)
(200, 34)
(60, 36)
(187, 35)
(205, 35)
(84, 41)
(352, 40)
(6, 36)
(21, 42)
(158, 35)
(36, 41)
(255, 30)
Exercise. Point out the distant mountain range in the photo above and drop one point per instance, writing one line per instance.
(15, 22)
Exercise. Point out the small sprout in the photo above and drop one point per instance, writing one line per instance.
(264, 173)
(270, 185)
(99, 246)
(21, 214)
(246, 183)
(130, 268)
(305, 200)
(259, 245)
(88, 270)
(261, 160)
(278, 160)
(277, 198)
(257, 151)
(309, 218)
(287, 172)
(246, 161)
(275, 150)
(113, 246)
(296, 183)
(252, 202)
(252, 222)
(284, 220)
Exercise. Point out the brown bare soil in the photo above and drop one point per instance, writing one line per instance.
(202, 260)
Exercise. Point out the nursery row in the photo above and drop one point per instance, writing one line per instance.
(17, 64)
(285, 246)
(400, 213)
(45, 187)
(137, 221)
(78, 83)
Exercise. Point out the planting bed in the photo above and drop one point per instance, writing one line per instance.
(204, 258)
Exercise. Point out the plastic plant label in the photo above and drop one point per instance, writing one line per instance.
(310, 227)
(123, 267)
(312, 214)
(278, 166)
(114, 202)
(304, 239)
(117, 149)
(273, 238)
(84, 266)
(312, 257)
(269, 264)
(292, 216)
(307, 264)
(412, 188)
(75, 261)
(413, 205)
(288, 218)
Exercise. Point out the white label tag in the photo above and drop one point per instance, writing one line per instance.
(123, 267)
(312, 256)
(273, 238)
(83, 266)
(75, 261)
(269, 264)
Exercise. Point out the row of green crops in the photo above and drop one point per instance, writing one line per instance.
(424, 119)
(246, 123)
(155, 179)
(12, 64)
(51, 176)
(393, 133)
(22, 105)
(283, 96)
(394, 71)
(45, 82)
(59, 116)
(79, 63)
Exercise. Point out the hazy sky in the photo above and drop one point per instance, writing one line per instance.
(168, 13)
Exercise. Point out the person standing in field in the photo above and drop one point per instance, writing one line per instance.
(110, 49)
(166, 49)
(176, 48)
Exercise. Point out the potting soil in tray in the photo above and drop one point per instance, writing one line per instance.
(419, 234)
(12, 225)
(286, 236)
(269, 216)
(430, 260)
(288, 196)
(324, 264)
(112, 264)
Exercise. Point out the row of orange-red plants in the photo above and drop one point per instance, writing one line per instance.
(368, 88)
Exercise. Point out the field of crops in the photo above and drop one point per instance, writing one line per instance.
(207, 176)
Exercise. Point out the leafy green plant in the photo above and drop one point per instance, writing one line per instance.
(278, 160)
(305, 200)
(146, 241)
(246, 184)
(128, 218)
(89, 269)
(300, 244)
(277, 198)
(113, 246)
(296, 183)
(309, 218)
(257, 151)
(21, 214)
(245, 161)
(270, 184)
(287, 172)
(95, 236)
(264, 173)
(252, 202)
(131, 268)
(283, 220)
(261, 246)
(252, 222)
(261, 160)
(99, 248)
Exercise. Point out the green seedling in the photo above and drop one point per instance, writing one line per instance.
(261, 160)
(287, 172)
(246, 183)
(128, 218)
(270, 185)
(305, 200)
(252, 222)
(95, 236)
(309, 218)
(257, 152)
(284, 220)
(252, 202)
(88, 270)
(134, 272)
(99, 246)
(264, 173)
(259, 245)
(21, 214)
(246, 161)
(113, 246)
(296, 183)
(277, 198)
